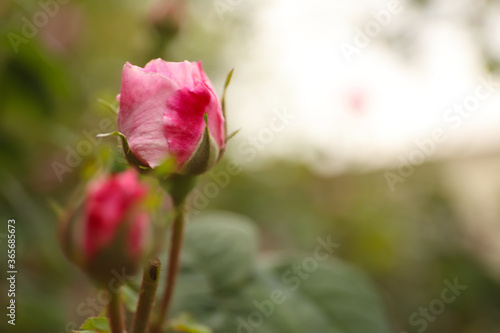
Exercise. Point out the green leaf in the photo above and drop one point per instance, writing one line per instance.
(186, 323)
(165, 169)
(339, 295)
(222, 247)
(224, 287)
(130, 298)
(95, 324)
(56, 207)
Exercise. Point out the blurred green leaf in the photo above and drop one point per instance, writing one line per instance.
(223, 287)
(186, 323)
(222, 247)
(95, 324)
(130, 298)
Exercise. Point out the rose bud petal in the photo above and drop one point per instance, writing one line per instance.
(169, 110)
(108, 233)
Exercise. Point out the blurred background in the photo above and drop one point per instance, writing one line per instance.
(376, 122)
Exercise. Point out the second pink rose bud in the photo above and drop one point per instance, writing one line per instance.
(110, 231)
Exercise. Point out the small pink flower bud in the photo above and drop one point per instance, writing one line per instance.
(168, 16)
(109, 231)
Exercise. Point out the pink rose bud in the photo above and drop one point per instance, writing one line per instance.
(109, 232)
(169, 110)
(168, 16)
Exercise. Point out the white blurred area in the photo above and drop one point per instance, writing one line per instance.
(366, 114)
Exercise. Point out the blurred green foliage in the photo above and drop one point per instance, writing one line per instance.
(406, 241)
(224, 285)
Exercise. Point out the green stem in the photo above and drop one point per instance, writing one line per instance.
(173, 267)
(146, 296)
(115, 313)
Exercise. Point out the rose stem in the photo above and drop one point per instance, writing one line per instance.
(146, 296)
(115, 313)
(173, 266)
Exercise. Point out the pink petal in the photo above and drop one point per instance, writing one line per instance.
(182, 73)
(215, 118)
(187, 74)
(142, 105)
(183, 120)
(108, 202)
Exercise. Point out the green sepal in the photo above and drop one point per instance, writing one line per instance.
(108, 106)
(131, 159)
(223, 100)
(230, 136)
(223, 106)
(204, 157)
(69, 229)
